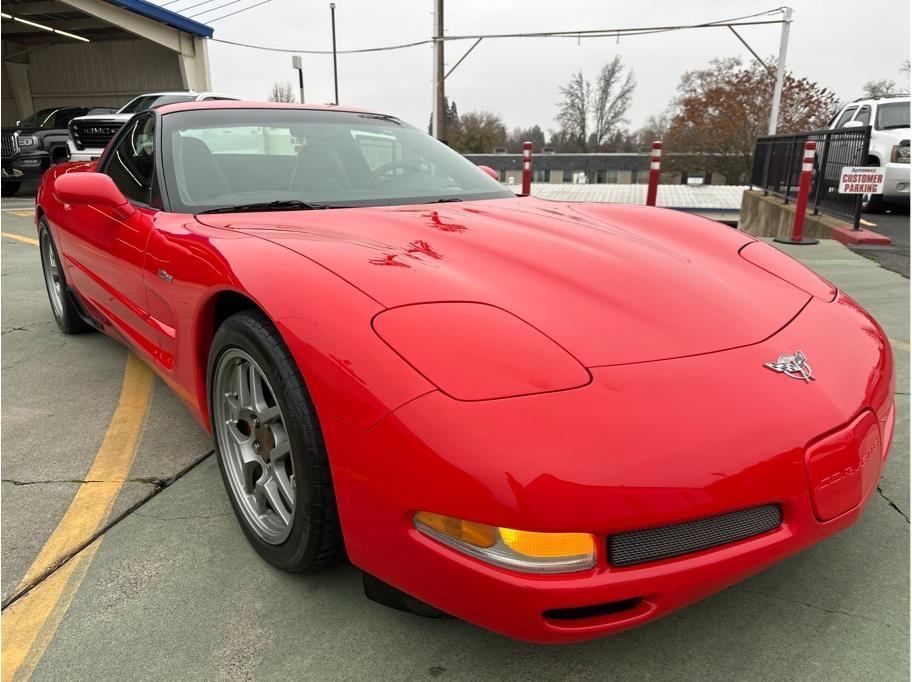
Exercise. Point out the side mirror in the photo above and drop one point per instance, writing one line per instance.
(88, 187)
(853, 124)
(490, 171)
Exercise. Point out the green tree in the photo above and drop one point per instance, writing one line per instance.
(478, 132)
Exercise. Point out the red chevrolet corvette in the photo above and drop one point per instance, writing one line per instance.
(553, 420)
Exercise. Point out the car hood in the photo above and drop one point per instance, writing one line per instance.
(612, 284)
(119, 118)
(897, 135)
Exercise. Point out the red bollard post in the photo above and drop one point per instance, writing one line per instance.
(655, 166)
(527, 170)
(804, 188)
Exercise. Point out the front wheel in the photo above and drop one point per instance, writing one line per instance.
(270, 448)
(65, 313)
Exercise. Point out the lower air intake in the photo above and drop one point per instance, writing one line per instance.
(653, 544)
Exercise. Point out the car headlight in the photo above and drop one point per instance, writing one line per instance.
(519, 550)
(475, 351)
(27, 140)
(900, 152)
(778, 264)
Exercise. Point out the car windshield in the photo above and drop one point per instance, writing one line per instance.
(46, 118)
(892, 115)
(219, 158)
(144, 102)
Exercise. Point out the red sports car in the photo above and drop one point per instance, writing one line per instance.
(553, 420)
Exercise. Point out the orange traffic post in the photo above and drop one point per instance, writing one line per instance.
(527, 169)
(804, 189)
(655, 170)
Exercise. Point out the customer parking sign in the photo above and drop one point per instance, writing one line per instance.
(861, 180)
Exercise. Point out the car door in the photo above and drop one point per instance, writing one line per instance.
(106, 247)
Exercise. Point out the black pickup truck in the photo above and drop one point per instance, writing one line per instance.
(36, 143)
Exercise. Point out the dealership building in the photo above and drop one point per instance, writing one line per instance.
(96, 53)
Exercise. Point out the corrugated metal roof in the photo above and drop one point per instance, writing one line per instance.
(164, 16)
(686, 197)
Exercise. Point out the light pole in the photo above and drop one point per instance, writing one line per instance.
(780, 70)
(296, 64)
(332, 14)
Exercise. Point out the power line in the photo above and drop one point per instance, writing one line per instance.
(589, 33)
(231, 14)
(209, 9)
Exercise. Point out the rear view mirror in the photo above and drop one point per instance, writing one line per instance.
(853, 124)
(490, 171)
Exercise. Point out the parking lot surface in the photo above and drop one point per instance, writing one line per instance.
(895, 225)
(146, 574)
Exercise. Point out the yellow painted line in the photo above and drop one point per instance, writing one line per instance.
(23, 214)
(26, 634)
(30, 623)
(901, 345)
(20, 238)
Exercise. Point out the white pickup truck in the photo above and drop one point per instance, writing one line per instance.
(90, 134)
(889, 146)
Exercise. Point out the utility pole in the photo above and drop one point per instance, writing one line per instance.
(332, 13)
(297, 64)
(780, 70)
(438, 116)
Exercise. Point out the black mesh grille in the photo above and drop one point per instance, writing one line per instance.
(93, 134)
(9, 144)
(653, 544)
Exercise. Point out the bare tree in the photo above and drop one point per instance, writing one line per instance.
(656, 128)
(880, 88)
(573, 116)
(613, 94)
(281, 92)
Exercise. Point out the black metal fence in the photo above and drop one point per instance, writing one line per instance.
(777, 166)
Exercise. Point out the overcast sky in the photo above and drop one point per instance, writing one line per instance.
(839, 43)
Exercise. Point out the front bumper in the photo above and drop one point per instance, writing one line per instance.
(25, 166)
(896, 182)
(82, 154)
(644, 445)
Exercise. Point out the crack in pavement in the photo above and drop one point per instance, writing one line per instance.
(160, 486)
(892, 504)
(824, 609)
(148, 480)
(185, 518)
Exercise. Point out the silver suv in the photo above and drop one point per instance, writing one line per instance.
(889, 121)
(90, 134)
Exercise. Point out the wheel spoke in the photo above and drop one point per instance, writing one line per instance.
(285, 485)
(242, 383)
(234, 410)
(235, 433)
(280, 451)
(267, 496)
(257, 400)
(251, 465)
(270, 414)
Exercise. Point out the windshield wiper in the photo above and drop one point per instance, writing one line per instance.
(898, 125)
(287, 205)
(444, 200)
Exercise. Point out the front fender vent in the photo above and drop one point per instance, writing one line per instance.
(654, 544)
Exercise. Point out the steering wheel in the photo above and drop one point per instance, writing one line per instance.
(392, 165)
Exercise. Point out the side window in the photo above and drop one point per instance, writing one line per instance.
(864, 115)
(846, 115)
(131, 163)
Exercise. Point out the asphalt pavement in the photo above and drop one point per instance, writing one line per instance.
(163, 585)
(894, 224)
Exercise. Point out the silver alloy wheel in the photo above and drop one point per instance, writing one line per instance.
(254, 446)
(51, 274)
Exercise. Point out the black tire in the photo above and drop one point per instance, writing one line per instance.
(9, 189)
(68, 319)
(315, 540)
